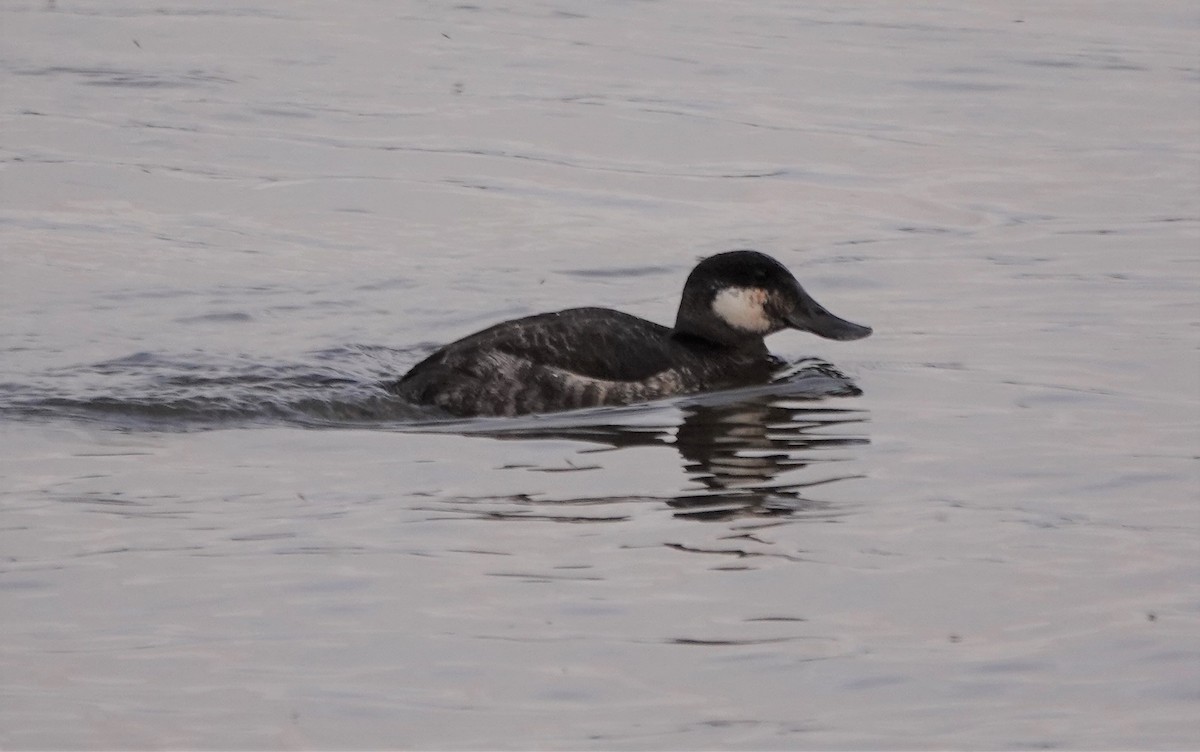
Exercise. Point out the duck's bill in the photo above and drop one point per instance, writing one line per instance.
(811, 317)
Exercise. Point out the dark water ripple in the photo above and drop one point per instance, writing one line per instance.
(166, 393)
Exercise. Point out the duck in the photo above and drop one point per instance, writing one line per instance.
(592, 357)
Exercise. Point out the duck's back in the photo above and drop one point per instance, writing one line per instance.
(581, 357)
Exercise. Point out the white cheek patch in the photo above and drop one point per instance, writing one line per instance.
(743, 308)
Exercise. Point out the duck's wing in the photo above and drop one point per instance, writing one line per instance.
(583, 357)
(593, 343)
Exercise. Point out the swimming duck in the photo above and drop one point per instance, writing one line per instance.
(587, 357)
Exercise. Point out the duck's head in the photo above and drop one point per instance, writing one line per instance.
(739, 297)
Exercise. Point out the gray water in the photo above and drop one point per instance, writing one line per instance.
(224, 225)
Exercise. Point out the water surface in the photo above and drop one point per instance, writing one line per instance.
(223, 226)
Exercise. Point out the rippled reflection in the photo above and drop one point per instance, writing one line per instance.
(746, 452)
(739, 453)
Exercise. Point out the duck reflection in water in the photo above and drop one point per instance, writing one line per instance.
(738, 452)
(744, 448)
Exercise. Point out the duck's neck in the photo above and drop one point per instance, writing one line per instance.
(698, 322)
(705, 338)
